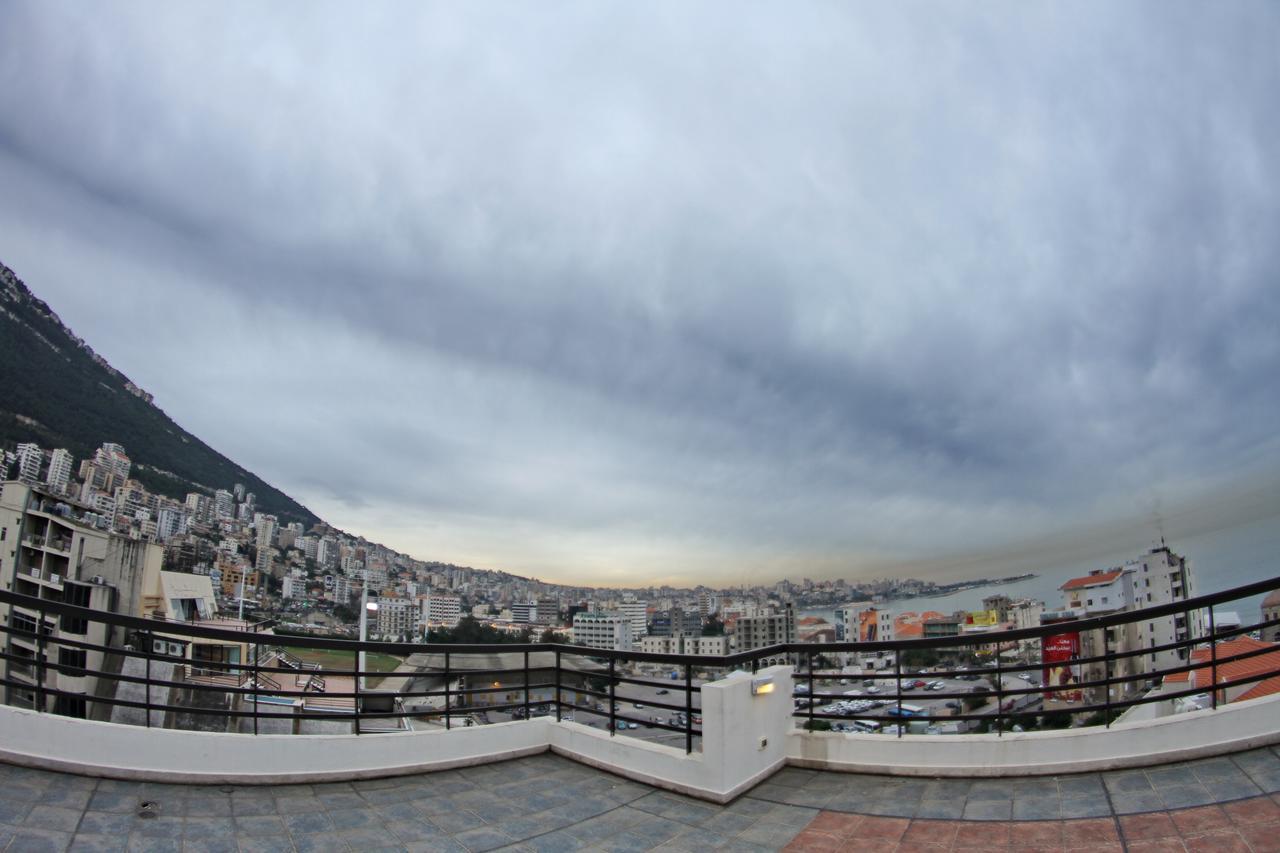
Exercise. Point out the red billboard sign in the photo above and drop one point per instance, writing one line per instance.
(1060, 656)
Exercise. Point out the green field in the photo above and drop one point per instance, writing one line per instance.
(340, 663)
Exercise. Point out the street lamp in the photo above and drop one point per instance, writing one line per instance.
(366, 607)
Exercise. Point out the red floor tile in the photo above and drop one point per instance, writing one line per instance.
(1089, 833)
(810, 841)
(913, 847)
(1199, 820)
(1256, 810)
(1156, 845)
(982, 833)
(1040, 833)
(1262, 837)
(1218, 841)
(931, 832)
(882, 829)
(1142, 827)
(835, 823)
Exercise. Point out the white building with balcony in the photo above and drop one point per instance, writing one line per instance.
(602, 630)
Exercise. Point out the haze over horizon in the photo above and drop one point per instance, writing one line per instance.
(617, 294)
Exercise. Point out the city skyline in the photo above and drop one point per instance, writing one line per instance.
(751, 299)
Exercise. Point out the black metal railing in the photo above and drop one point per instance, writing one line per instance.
(248, 681)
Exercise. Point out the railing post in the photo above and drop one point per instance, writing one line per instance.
(1213, 658)
(1106, 676)
(559, 694)
(810, 700)
(612, 704)
(40, 669)
(446, 690)
(999, 695)
(257, 675)
(355, 678)
(526, 684)
(897, 669)
(688, 708)
(146, 651)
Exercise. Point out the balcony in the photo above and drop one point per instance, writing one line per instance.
(523, 744)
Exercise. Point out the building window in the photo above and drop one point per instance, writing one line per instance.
(69, 706)
(72, 661)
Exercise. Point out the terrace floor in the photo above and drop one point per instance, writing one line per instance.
(548, 803)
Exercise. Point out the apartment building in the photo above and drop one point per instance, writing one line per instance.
(602, 630)
(440, 611)
(1158, 577)
(638, 613)
(46, 553)
(685, 644)
(754, 632)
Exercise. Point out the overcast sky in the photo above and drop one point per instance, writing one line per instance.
(721, 292)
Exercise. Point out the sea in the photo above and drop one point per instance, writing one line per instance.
(1220, 559)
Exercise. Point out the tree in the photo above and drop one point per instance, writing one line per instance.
(713, 627)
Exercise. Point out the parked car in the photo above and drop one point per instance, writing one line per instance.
(663, 691)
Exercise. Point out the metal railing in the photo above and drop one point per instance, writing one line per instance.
(451, 685)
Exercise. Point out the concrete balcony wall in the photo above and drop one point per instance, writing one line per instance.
(745, 738)
(1181, 737)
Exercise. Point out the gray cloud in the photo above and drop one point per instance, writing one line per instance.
(659, 290)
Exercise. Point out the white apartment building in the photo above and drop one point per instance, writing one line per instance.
(441, 610)
(59, 477)
(1157, 577)
(638, 613)
(30, 460)
(224, 505)
(396, 616)
(685, 645)
(523, 611)
(602, 630)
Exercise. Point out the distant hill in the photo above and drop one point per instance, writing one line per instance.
(57, 392)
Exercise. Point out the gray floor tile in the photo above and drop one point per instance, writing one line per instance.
(1128, 782)
(988, 810)
(949, 809)
(90, 843)
(1134, 803)
(1037, 808)
(483, 838)
(1184, 796)
(1079, 807)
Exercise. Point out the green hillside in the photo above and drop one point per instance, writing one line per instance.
(55, 391)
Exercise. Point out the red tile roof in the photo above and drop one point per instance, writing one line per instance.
(1232, 670)
(1101, 578)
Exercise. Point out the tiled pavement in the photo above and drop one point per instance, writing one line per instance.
(547, 803)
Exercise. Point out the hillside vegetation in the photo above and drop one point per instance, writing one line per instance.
(56, 391)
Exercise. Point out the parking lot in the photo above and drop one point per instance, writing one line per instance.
(854, 696)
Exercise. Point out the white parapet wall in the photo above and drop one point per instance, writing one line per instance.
(745, 739)
(1198, 734)
(747, 735)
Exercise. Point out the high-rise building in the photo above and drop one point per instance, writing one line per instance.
(547, 611)
(602, 630)
(523, 611)
(113, 458)
(59, 477)
(441, 610)
(754, 632)
(1158, 577)
(30, 460)
(638, 613)
(224, 507)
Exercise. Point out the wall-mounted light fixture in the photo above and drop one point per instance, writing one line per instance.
(762, 686)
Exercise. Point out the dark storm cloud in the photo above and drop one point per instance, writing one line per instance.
(641, 286)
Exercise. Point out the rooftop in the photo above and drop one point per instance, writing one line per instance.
(549, 803)
(1092, 579)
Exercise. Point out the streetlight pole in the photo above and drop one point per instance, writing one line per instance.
(366, 607)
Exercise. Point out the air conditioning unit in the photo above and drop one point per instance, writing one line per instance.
(55, 577)
(99, 580)
(35, 573)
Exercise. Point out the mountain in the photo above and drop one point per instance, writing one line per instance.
(57, 392)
